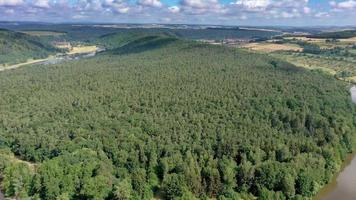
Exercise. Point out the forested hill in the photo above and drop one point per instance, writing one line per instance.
(336, 35)
(18, 47)
(172, 119)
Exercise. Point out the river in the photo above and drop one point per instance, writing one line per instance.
(343, 185)
(353, 93)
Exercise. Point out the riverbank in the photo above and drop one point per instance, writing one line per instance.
(353, 93)
(79, 50)
(342, 185)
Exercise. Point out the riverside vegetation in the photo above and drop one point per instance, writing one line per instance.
(160, 117)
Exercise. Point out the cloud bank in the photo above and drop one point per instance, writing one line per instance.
(254, 12)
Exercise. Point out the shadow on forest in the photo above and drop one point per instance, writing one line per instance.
(144, 44)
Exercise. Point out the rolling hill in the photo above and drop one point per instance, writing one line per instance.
(18, 47)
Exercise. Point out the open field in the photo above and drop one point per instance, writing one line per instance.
(352, 79)
(323, 43)
(271, 47)
(28, 62)
(336, 57)
(330, 65)
(82, 49)
(43, 33)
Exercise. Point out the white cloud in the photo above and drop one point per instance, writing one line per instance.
(307, 10)
(42, 3)
(202, 6)
(118, 6)
(9, 11)
(196, 11)
(253, 4)
(150, 3)
(174, 9)
(11, 2)
(344, 5)
(322, 14)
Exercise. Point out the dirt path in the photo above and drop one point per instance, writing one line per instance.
(3, 68)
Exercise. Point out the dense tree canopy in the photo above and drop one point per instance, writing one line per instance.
(173, 120)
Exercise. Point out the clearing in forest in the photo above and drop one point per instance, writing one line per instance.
(271, 47)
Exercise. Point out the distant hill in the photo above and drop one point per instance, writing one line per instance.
(18, 47)
(337, 35)
(89, 32)
(127, 39)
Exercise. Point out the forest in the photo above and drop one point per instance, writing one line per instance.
(160, 117)
(17, 47)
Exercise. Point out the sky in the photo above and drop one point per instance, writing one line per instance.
(223, 12)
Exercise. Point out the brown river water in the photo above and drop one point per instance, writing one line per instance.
(343, 185)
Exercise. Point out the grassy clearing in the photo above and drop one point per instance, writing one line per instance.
(28, 62)
(330, 59)
(82, 49)
(11, 158)
(271, 47)
(352, 79)
(331, 65)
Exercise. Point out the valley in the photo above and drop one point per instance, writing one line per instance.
(73, 54)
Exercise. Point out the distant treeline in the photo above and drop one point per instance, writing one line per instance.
(86, 33)
(336, 35)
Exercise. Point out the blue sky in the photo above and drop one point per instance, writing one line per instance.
(227, 12)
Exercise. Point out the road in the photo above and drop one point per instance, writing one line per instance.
(76, 50)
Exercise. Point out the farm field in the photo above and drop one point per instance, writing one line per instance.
(337, 58)
(324, 43)
(271, 47)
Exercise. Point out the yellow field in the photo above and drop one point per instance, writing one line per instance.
(351, 79)
(271, 47)
(28, 62)
(82, 49)
(43, 33)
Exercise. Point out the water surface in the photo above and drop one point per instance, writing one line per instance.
(343, 185)
(353, 93)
